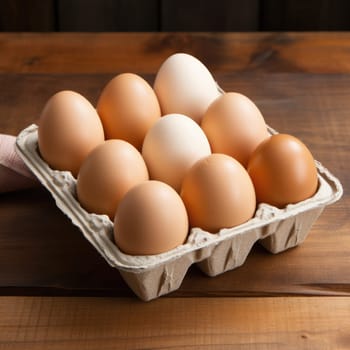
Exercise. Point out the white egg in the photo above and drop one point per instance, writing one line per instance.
(184, 85)
(172, 146)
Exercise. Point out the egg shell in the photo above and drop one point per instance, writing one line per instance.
(128, 107)
(69, 128)
(283, 171)
(108, 172)
(184, 85)
(234, 126)
(172, 146)
(151, 219)
(218, 193)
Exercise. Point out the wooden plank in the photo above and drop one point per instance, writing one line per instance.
(123, 15)
(30, 16)
(305, 15)
(197, 15)
(41, 252)
(205, 323)
(107, 15)
(144, 52)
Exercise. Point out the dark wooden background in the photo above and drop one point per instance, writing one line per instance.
(174, 15)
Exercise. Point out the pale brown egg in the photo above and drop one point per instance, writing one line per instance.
(218, 193)
(283, 171)
(128, 107)
(184, 85)
(172, 146)
(108, 172)
(151, 219)
(234, 126)
(69, 128)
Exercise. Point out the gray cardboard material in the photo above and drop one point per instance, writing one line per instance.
(152, 276)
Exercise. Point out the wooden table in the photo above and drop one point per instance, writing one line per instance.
(57, 292)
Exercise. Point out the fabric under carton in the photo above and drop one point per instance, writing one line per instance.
(152, 276)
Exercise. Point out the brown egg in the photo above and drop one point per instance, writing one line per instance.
(150, 219)
(108, 172)
(234, 126)
(128, 107)
(69, 128)
(218, 193)
(283, 171)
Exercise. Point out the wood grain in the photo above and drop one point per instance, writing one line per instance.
(41, 252)
(295, 300)
(199, 16)
(144, 52)
(31, 16)
(240, 323)
(173, 15)
(107, 15)
(304, 15)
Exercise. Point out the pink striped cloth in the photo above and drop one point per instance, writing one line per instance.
(14, 175)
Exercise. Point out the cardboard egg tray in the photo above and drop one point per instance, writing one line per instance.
(152, 276)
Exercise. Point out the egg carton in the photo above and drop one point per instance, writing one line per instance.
(152, 276)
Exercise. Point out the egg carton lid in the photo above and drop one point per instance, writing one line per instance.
(98, 229)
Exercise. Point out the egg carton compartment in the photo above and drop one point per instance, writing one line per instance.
(152, 276)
